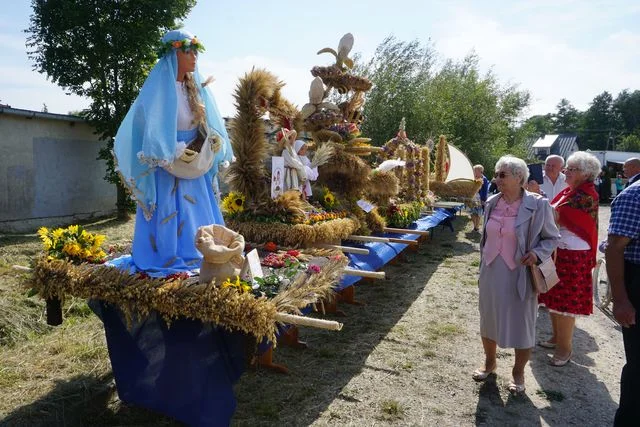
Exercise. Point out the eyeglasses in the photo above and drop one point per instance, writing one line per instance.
(502, 175)
(572, 170)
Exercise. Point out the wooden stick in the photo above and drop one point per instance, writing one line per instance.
(345, 249)
(368, 239)
(405, 231)
(364, 273)
(403, 241)
(308, 321)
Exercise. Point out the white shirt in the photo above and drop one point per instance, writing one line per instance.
(185, 116)
(551, 189)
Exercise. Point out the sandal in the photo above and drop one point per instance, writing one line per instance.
(547, 344)
(557, 362)
(481, 374)
(516, 389)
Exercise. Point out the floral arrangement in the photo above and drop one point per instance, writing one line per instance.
(314, 218)
(241, 285)
(327, 199)
(185, 45)
(233, 203)
(404, 214)
(73, 243)
(347, 131)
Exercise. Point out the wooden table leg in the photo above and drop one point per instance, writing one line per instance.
(291, 338)
(331, 307)
(348, 295)
(266, 360)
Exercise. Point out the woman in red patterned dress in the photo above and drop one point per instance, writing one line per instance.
(576, 209)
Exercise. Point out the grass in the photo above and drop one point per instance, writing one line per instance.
(391, 409)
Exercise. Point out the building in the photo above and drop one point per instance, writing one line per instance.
(49, 172)
(563, 145)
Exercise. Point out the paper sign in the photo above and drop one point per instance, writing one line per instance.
(251, 268)
(365, 206)
(277, 176)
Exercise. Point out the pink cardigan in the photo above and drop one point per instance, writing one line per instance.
(501, 233)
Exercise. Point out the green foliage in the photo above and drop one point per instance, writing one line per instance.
(104, 51)
(567, 118)
(473, 110)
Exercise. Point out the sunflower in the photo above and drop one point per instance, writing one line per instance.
(233, 203)
(328, 199)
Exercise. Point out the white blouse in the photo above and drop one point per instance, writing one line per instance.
(185, 116)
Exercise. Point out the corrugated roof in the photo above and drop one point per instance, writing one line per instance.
(566, 144)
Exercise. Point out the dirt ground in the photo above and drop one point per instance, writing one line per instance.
(404, 358)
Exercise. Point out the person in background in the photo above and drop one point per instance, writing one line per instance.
(553, 180)
(631, 169)
(619, 183)
(480, 197)
(623, 268)
(604, 190)
(507, 302)
(576, 209)
(534, 187)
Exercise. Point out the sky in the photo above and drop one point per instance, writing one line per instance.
(552, 48)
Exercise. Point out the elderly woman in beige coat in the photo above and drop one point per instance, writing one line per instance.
(508, 304)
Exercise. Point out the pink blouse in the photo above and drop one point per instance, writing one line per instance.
(501, 233)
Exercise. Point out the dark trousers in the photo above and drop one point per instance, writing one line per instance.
(628, 413)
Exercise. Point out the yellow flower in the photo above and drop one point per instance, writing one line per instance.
(74, 229)
(46, 242)
(57, 233)
(43, 231)
(71, 248)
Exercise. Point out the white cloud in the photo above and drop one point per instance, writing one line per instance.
(228, 72)
(541, 61)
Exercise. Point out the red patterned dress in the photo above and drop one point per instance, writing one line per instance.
(578, 215)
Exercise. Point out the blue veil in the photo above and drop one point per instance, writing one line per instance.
(146, 137)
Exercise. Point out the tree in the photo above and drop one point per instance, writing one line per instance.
(567, 118)
(473, 110)
(398, 70)
(598, 123)
(626, 108)
(44, 109)
(541, 124)
(102, 50)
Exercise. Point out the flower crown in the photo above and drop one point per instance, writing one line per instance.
(185, 45)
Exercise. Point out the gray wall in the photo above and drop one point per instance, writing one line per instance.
(49, 174)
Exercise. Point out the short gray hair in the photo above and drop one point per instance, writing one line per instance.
(554, 156)
(516, 166)
(587, 163)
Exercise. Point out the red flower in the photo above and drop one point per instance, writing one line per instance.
(293, 253)
(270, 247)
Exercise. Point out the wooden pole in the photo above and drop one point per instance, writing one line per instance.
(345, 249)
(364, 273)
(405, 231)
(368, 239)
(308, 321)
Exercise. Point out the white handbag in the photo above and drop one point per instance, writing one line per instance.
(192, 164)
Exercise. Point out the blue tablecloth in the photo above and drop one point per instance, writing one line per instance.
(186, 371)
(382, 253)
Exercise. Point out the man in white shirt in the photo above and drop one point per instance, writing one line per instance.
(553, 180)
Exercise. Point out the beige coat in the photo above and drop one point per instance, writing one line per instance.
(544, 231)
